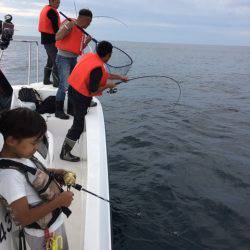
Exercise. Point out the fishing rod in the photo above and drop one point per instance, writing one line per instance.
(114, 90)
(80, 188)
(85, 32)
(128, 57)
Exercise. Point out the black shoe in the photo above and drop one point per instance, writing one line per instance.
(69, 157)
(46, 79)
(93, 104)
(65, 152)
(55, 80)
(59, 113)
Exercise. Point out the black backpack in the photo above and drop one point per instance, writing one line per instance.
(31, 95)
(47, 106)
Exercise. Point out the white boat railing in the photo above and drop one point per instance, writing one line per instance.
(30, 42)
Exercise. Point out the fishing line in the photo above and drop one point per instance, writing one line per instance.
(137, 214)
(112, 206)
(125, 61)
(178, 235)
(75, 9)
(114, 18)
(112, 91)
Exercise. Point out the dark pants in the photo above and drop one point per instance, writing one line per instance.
(5, 102)
(80, 104)
(51, 51)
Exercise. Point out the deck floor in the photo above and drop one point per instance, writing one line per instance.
(75, 223)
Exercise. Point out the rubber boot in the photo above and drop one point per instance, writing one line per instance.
(55, 79)
(59, 113)
(65, 154)
(46, 78)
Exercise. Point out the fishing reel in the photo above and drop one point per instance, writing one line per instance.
(112, 91)
(70, 181)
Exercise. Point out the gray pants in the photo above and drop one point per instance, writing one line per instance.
(38, 243)
(51, 51)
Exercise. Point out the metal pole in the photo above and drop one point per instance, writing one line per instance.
(37, 61)
(1, 54)
(29, 63)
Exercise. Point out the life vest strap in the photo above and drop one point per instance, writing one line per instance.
(5, 164)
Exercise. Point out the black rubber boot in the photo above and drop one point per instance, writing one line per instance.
(46, 78)
(59, 111)
(65, 154)
(93, 104)
(55, 80)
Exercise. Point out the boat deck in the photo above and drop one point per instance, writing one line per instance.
(75, 223)
(58, 128)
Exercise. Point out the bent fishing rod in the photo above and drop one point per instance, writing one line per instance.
(96, 42)
(114, 90)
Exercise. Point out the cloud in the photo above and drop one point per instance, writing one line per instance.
(223, 18)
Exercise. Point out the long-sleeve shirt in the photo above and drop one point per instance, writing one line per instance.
(95, 78)
(50, 38)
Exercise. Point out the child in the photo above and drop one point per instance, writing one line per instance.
(39, 214)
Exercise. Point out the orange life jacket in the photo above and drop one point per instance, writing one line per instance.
(80, 76)
(73, 42)
(45, 24)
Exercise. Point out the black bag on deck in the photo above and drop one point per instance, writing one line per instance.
(47, 106)
(31, 95)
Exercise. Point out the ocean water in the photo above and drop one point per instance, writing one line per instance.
(179, 172)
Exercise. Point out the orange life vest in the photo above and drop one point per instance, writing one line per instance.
(73, 42)
(45, 24)
(80, 76)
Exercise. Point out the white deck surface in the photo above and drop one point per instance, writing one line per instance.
(75, 223)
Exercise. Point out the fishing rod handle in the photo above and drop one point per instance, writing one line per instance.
(86, 33)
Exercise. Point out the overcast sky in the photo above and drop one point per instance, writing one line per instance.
(171, 21)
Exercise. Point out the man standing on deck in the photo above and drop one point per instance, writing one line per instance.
(88, 79)
(49, 23)
(70, 42)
